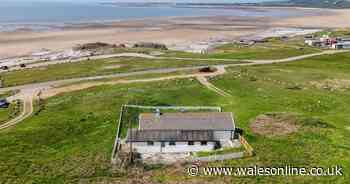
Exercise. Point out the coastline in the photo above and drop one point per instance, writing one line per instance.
(176, 32)
(172, 31)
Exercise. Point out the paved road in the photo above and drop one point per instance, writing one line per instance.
(139, 55)
(27, 99)
(27, 92)
(47, 63)
(50, 84)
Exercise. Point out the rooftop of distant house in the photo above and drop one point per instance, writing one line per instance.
(187, 121)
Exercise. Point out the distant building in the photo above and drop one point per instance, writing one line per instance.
(314, 43)
(181, 132)
(345, 39)
(341, 45)
(309, 37)
(264, 40)
(329, 42)
(324, 38)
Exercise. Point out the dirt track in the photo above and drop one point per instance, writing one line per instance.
(27, 100)
(28, 92)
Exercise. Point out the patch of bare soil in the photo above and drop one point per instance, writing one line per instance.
(55, 91)
(332, 84)
(273, 125)
(163, 158)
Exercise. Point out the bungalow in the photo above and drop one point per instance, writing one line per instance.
(341, 45)
(181, 132)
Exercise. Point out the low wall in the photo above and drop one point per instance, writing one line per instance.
(219, 157)
(180, 147)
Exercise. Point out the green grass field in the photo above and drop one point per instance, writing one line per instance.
(6, 113)
(273, 49)
(96, 67)
(334, 33)
(70, 141)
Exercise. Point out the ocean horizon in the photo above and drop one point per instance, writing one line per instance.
(54, 15)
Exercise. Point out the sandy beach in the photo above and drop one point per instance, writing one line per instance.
(329, 18)
(175, 31)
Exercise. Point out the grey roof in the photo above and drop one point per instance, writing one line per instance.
(169, 135)
(187, 121)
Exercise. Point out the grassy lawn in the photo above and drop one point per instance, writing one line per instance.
(135, 77)
(334, 33)
(70, 141)
(312, 70)
(7, 113)
(273, 49)
(96, 67)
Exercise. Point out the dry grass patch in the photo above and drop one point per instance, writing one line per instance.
(271, 125)
(332, 84)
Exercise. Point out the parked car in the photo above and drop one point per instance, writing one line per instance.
(4, 103)
(4, 67)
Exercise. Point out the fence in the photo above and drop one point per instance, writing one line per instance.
(117, 143)
(249, 149)
(177, 107)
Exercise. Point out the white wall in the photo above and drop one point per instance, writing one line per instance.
(184, 147)
(142, 147)
(222, 135)
(180, 147)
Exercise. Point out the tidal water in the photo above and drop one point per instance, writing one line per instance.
(47, 15)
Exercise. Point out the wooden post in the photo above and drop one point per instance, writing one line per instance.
(130, 142)
(246, 145)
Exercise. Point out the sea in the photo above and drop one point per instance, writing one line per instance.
(40, 16)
